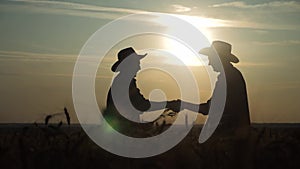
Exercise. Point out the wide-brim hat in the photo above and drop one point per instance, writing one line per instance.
(124, 53)
(223, 49)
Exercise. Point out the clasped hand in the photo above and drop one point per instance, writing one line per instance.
(174, 105)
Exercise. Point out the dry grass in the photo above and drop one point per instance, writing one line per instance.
(68, 147)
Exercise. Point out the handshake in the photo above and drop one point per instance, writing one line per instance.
(174, 105)
(178, 105)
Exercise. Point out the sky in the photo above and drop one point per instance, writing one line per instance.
(40, 41)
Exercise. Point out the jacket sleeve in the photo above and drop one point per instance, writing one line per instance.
(204, 107)
(137, 99)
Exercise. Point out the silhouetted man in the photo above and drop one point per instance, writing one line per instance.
(112, 114)
(236, 111)
(235, 122)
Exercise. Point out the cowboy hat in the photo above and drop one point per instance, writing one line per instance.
(123, 54)
(223, 49)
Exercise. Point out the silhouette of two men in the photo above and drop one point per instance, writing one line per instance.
(236, 111)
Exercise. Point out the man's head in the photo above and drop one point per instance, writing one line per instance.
(131, 57)
(219, 50)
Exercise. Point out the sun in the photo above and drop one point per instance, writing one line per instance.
(183, 53)
(178, 49)
(204, 24)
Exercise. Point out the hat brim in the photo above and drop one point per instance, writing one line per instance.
(211, 51)
(115, 65)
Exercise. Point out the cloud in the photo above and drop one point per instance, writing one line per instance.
(78, 6)
(70, 8)
(274, 4)
(40, 57)
(101, 12)
(278, 43)
(111, 13)
(248, 14)
(285, 85)
(20, 56)
(260, 25)
(255, 64)
(180, 8)
(261, 32)
(66, 75)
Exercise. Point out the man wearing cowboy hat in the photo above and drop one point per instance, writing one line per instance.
(128, 65)
(235, 121)
(236, 111)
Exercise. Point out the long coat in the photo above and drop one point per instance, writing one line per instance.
(236, 111)
(235, 118)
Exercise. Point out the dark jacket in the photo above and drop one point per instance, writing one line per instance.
(120, 123)
(236, 111)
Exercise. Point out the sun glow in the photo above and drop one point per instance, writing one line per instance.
(183, 53)
(202, 23)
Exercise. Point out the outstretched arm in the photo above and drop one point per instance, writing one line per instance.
(178, 105)
(174, 105)
(142, 104)
(200, 108)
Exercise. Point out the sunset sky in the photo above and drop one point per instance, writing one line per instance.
(40, 41)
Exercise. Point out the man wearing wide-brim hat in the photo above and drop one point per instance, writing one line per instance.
(129, 63)
(236, 111)
(123, 54)
(235, 121)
